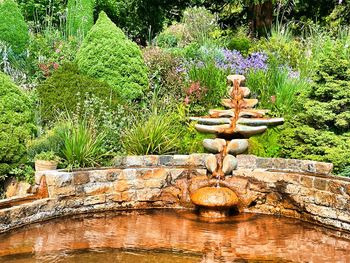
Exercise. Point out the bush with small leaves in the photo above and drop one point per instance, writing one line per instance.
(67, 88)
(320, 130)
(107, 54)
(16, 125)
(13, 28)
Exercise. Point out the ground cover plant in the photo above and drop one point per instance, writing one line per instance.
(88, 80)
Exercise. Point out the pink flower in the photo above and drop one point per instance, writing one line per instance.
(273, 99)
(55, 65)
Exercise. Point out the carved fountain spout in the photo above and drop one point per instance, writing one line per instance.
(232, 127)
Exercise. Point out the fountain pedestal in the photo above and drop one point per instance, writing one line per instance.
(214, 202)
(239, 122)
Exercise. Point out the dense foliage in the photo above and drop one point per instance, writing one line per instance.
(67, 88)
(13, 28)
(16, 125)
(177, 67)
(80, 17)
(43, 13)
(108, 55)
(321, 130)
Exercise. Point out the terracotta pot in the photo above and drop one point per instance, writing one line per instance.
(41, 165)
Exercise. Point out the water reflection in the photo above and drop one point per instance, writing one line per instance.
(154, 235)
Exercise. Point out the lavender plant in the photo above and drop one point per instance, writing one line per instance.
(235, 63)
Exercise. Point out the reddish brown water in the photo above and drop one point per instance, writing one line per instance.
(173, 236)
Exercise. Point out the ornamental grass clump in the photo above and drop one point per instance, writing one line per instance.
(276, 87)
(107, 55)
(152, 134)
(80, 17)
(81, 145)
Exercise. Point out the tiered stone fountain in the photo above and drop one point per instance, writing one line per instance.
(232, 127)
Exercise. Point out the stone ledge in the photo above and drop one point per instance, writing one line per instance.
(294, 188)
(195, 160)
(280, 164)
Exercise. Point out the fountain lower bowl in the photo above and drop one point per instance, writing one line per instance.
(214, 202)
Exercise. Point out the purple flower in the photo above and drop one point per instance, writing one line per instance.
(292, 74)
(236, 63)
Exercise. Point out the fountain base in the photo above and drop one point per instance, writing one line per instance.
(213, 213)
(214, 202)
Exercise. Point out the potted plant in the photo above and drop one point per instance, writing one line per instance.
(46, 161)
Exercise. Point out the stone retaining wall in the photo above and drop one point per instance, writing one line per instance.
(293, 188)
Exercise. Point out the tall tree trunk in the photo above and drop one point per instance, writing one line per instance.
(260, 17)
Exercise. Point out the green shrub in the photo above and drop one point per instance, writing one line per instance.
(80, 17)
(327, 102)
(237, 40)
(166, 79)
(48, 142)
(240, 43)
(108, 55)
(276, 88)
(24, 172)
(305, 142)
(266, 144)
(207, 88)
(81, 144)
(345, 172)
(282, 46)
(200, 23)
(47, 156)
(152, 134)
(16, 125)
(320, 130)
(67, 88)
(13, 28)
(176, 35)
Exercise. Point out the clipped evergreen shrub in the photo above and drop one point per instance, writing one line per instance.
(321, 129)
(68, 87)
(13, 28)
(80, 17)
(16, 124)
(107, 54)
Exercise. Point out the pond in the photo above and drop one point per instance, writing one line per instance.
(173, 236)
